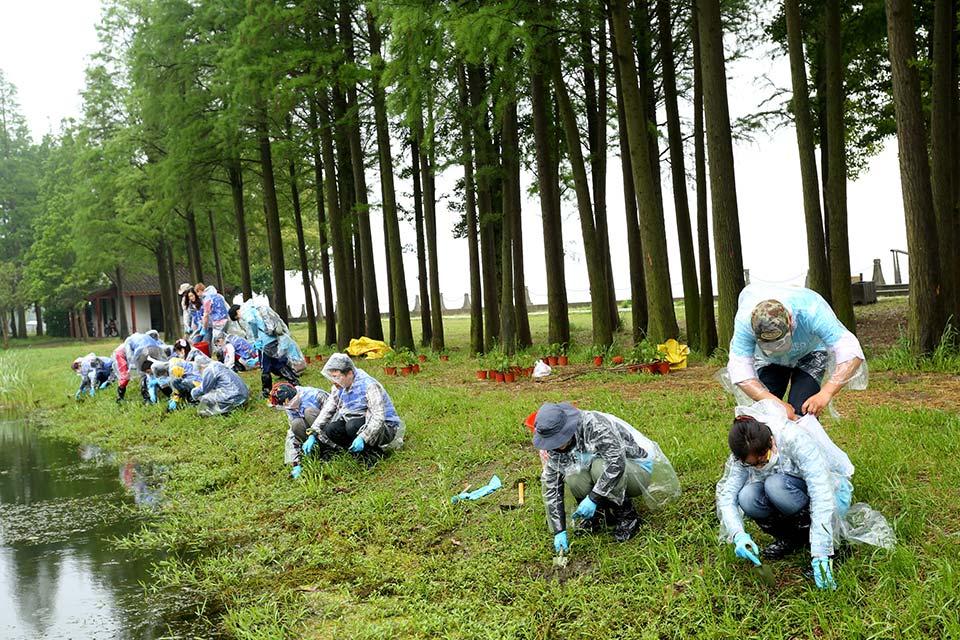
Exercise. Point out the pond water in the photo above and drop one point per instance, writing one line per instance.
(60, 576)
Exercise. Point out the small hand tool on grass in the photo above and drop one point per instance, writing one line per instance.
(560, 560)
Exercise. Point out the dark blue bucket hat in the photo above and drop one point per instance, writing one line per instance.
(555, 425)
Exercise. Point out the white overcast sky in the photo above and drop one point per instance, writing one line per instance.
(45, 46)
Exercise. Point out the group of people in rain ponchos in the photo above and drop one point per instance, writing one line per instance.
(789, 356)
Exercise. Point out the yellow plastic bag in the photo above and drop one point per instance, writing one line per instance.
(373, 349)
(675, 353)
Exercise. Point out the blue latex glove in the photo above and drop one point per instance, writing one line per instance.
(152, 391)
(172, 405)
(560, 542)
(823, 572)
(646, 465)
(476, 494)
(357, 445)
(586, 509)
(296, 471)
(746, 548)
(76, 396)
(258, 344)
(103, 385)
(309, 444)
(93, 390)
(844, 496)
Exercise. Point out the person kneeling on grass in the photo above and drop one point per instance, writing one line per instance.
(794, 483)
(605, 463)
(358, 416)
(219, 390)
(303, 405)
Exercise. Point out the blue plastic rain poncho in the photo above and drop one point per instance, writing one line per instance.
(220, 391)
(805, 451)
(614, 440)
(815, 330)
(95, 373)
(308, 399)
(365, 397)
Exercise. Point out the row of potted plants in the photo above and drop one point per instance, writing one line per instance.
(500, 367)
(404, 361)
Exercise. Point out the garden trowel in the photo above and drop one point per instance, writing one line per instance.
(764, 573)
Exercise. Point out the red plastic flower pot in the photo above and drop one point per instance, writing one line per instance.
(416, 368)
(444, 358)
(617, 359)
(422, 357)
(499, 377)
(598, 361)
(390, 371)
(663, 367)
(552, 361)
(509, 377)
(649, 368)
(531, 421)
(406, 371)
(307, 359)
(633, 368)
(491, 373)
(482, 374)
(563, 360)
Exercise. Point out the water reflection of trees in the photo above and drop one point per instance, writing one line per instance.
(62, 513)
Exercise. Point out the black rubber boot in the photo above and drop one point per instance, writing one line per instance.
(626, 520)
(601, 520)
(121, 391)
(289, 375)
(790, 533)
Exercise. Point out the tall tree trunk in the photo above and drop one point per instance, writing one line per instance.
(488, 249)
(476, 304)
(121, 302)
(21, 321)
(330, 320)
(688, 262)
(235, 176)
(558, 319)
(392, 322)
(38, 311)
(216, 251)
(662, 320)
(272, 211)
(373, 325)
(819, 275)
(312, 337)
(172, 312)
(340, 237)
(839, 248)
(426, 324)
(723, 185)
(596, 269)
(708, 321)
(925, 321)
(941, 150)
(638, 289)
(404, 338)
(595, 103)
(358, 281)
(160, 253)
(511, 156)
(195, 257)
(427, 170)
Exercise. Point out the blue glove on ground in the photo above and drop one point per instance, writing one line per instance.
(746, 548)
(586, 509)
(103, 385)
(309, 444)
(296, 471)
(357, 445)
(823, 572)
(560, 542)
(76, 396)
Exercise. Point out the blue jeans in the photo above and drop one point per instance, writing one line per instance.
(780, 492)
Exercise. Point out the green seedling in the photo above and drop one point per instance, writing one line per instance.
(560, 560)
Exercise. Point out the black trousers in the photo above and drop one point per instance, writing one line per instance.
(776, 377)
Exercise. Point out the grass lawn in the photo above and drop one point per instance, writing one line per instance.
(349, 552)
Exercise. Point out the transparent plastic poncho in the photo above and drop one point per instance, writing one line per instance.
(833, 519)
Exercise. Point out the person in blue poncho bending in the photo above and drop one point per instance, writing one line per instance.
(784, 337)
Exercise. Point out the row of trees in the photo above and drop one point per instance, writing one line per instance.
(246, 133)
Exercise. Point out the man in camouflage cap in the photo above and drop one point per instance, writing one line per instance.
(782, 338)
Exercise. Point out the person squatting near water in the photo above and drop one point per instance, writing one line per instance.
(358, 416)
(303, 405)
(96, 373)
(605, 462)
(794, 483)
(789, 336)
(213, 386)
